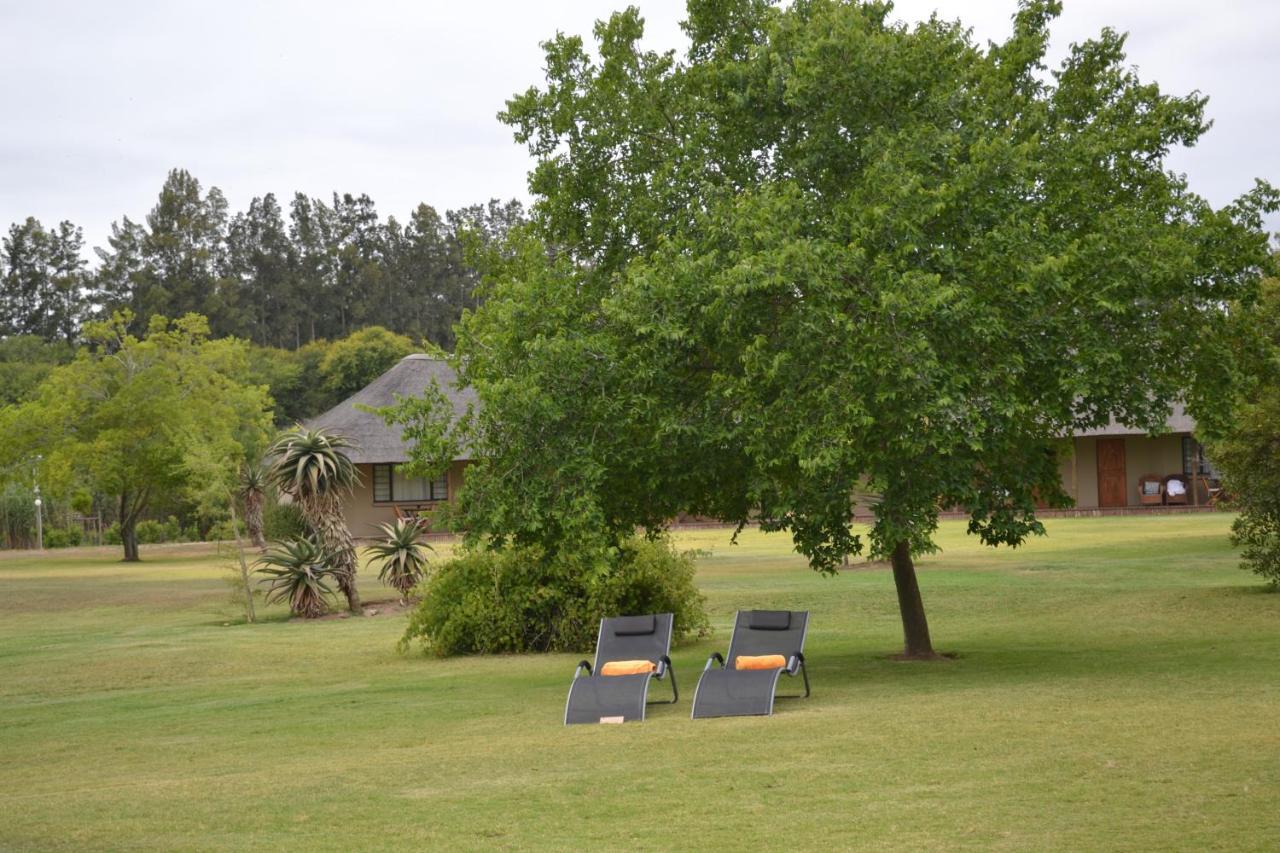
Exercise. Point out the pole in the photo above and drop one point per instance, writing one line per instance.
(35, 487)
(39, 523)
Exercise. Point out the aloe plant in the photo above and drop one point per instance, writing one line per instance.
(312, 467)
(402, 554)
(297, 569)
(253, 487)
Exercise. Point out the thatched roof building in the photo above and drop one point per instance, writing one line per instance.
(376, 442)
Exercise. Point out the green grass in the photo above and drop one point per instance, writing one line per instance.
(1117, 687)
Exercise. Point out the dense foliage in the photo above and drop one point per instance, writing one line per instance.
(1246, 444)
(277, 278)
(826, 256)
(522, 599)
(131, 416)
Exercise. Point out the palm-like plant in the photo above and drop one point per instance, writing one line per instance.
(312, 467)
(297, 569)
(253, 488)
(402, 555)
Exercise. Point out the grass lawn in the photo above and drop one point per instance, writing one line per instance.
(1117, 687)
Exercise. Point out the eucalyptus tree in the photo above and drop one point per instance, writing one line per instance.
(826, 257)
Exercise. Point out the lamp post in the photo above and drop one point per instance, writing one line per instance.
(39, 503)
(39, 522)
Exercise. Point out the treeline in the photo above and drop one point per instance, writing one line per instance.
(279, 278)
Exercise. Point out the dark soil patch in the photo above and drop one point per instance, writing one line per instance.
(371, 611)
(936, 656)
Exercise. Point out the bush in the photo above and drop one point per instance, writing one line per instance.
(111, 535)
(521, 600)
(152, 532)
(63, 537)
(283, 521)
(223, 531)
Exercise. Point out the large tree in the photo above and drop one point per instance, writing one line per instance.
(826, 257)
(44, 285)
(126, 416)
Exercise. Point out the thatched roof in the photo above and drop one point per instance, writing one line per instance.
(1178, 421)
(375, 441)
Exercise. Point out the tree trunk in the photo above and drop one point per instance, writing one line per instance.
(129, 511)
(325, 517)
(253, 518)
(129, 538)
(915, 627)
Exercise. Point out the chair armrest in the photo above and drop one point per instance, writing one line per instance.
(582, 664)
(795, 662)
(664, 666)
(716, 657)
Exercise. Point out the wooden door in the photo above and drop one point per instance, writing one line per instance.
(1112, 483)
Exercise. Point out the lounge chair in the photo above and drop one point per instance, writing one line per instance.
(630, 652)
(765, 645)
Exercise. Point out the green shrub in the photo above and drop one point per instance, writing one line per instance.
(283, 521)
(224, 532)
(111, 535)
(521, 600)
(151, 532)
(63, 537)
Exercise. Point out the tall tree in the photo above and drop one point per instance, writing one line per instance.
(826, 254)
(44, 289)
(263, 263)
(68, 302)
(313, 231)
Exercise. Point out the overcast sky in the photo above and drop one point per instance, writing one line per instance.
(397, 99)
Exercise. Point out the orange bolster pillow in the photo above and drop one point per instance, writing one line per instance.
(759, 662)
(628, 667)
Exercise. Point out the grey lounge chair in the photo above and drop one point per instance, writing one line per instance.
(598, 697)
(727, 691)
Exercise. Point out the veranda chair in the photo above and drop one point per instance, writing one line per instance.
(766, 644)
(1176, 489)
(1150, 490)
(630, 652)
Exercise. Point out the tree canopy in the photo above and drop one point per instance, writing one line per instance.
(826, 257)
(275, 276)
(136, 417)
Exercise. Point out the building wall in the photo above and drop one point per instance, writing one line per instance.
(364, 516)
(1142, 455)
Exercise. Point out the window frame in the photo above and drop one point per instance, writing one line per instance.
(389, 469)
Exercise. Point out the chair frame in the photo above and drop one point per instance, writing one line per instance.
(795, 665)
(663, 671)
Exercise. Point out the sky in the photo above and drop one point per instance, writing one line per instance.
(399, 99)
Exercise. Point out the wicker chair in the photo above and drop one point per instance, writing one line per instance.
(1178, 494)
(1150, 490)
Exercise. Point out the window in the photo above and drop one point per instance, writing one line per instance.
(1194, 461)
(391, 485)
